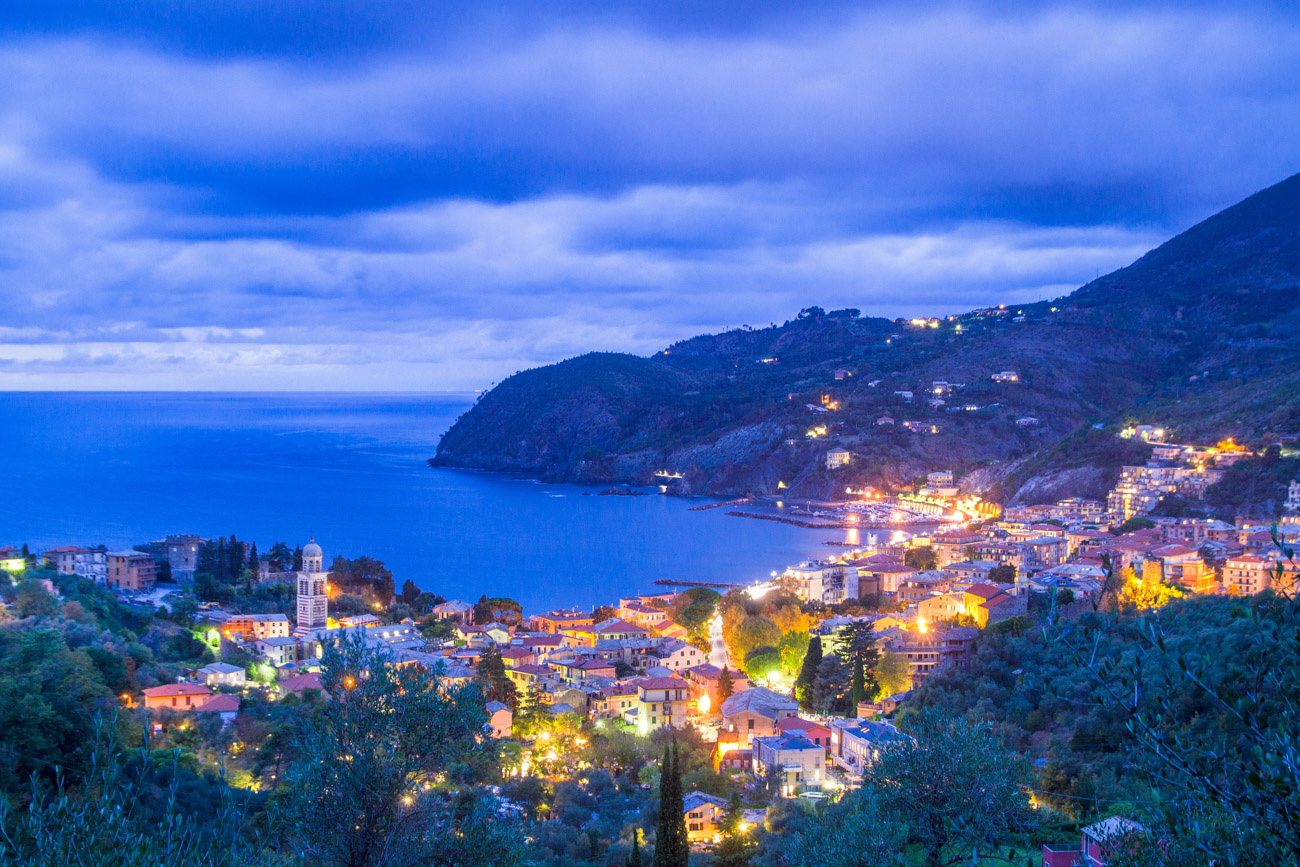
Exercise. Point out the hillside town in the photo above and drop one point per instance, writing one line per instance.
(770, 677)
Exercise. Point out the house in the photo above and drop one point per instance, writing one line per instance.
(677, 655)
(524, 676)
(500, 718)
(131, 570)
(454, 609)
(884, 420)
(515, 655)
(704, 679)
(1095, 844)
(556, 622)
(616, 701)
(638, 612)
(12, 559)
(63, 559)
(1006, 376)
(889, 576)
(1247, 574)
(856, 744)
(255, 626)
(301, 683)
(954, 546)
(618, 629)
(703, 816)
(221, 674)
(944, 606)
(796, 763)
(664, 701)
(814, 731)
(226, 706)
(277, 651)
(579, 670)
(842, 373)
(756, 712)
(176, 696)
(837, 457)
(926, 650)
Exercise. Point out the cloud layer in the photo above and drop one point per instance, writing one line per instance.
(439, 206)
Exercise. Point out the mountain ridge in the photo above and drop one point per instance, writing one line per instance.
(1198, 334)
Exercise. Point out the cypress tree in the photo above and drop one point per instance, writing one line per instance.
(663, 831)
(236, 554)
(634, 857)
(681, 844)
(297, 559)
(252, 556)
(858, 689)
(808, 673)
(221, 563)
(725, 686)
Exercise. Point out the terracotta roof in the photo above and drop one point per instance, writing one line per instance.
(220, 704)
(798, 723)
(984, 591)
(176, 689)
(300, 682)
(662, 683)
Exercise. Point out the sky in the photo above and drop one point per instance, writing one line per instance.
(399, 196)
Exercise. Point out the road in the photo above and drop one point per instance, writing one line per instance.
(718, 653)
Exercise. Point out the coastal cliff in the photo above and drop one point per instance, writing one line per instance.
(1198, 335)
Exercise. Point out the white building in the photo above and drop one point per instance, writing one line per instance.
(313, 603)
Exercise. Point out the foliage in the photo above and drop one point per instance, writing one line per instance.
(922, 558)
(491, 673)
(737, 847)
(498, 610)
(671, 846)
(106, 820)
(852, 832)
(803, 685)
(956, 787)
(726, 686)
(893, 673)
(829, 685)
(370, 765)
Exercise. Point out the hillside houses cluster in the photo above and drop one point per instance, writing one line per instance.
(1173, 470)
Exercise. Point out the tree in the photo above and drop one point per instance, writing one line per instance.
(634, 857)
(236, 559)
(279, 558)
(254, 562)
(858, 648)
(894, 674)
(601, 613)
(111, 817)
(297, 559)
(921, 558)
(736, 849)
(409, 593)
(1003, 573)
(829, 684)
(854, 832)
(34, 601)
(726, 687)
(371, 763)
(491, 672)
(672, 848)
(955, 786)
(803, 685)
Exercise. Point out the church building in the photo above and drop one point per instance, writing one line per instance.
(313, 604)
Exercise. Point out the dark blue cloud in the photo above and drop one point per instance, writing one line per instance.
(338, 192)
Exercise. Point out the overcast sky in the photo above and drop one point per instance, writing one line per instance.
(307, 195)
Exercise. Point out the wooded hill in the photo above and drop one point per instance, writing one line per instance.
(1198, 335)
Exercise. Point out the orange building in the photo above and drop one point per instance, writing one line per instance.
(132, 570)
(176, 696)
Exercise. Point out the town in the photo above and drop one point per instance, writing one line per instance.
(785, 691)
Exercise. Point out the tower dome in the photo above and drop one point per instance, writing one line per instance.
(312, 557)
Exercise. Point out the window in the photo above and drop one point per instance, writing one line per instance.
(751, 725)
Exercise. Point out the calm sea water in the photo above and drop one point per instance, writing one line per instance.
(119, 469)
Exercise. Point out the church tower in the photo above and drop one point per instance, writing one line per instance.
(313, 604)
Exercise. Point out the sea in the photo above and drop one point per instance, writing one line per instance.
(119, 469)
